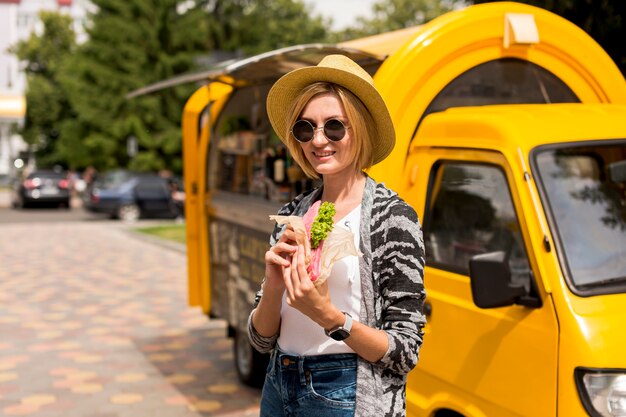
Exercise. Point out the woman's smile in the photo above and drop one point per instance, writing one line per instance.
(323, 154)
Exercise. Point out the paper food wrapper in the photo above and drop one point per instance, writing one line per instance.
(338, 244)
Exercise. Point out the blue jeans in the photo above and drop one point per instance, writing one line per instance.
(310, 386)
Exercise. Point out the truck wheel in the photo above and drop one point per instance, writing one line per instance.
(251, 365)
(128, 212)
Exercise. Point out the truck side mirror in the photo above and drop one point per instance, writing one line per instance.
(490, 280)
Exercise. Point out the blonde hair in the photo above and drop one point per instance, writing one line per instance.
(360, 120)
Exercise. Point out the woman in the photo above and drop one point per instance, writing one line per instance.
(342, 348)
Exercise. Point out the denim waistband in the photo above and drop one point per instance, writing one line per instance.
(336, 360)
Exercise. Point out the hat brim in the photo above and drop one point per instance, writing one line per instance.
(287, 88)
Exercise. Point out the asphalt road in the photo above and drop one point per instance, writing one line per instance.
(94, 323)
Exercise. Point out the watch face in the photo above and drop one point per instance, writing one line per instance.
(339, 334)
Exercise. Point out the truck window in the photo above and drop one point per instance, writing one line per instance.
(585, 188)
(471, 212)
(247, 157)
(502, 81)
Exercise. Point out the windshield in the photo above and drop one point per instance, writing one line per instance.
(113, 179)
(585, 189)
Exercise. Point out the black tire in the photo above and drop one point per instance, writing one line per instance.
(250, 364)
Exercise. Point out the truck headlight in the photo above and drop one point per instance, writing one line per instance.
(602, 391)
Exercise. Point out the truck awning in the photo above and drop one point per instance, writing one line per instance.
(266, 67)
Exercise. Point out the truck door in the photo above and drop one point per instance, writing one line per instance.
(494, 362)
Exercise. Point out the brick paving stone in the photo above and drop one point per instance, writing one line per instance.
(94, 323)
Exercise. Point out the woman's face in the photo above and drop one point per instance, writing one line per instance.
(328, 158)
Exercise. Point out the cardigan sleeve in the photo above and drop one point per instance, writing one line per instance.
(260, 343)
(401, 286)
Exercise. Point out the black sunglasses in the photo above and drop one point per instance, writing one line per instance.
(334, 130)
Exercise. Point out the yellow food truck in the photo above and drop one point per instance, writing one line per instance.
(511, 147)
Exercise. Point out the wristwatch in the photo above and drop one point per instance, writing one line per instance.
(341, 332)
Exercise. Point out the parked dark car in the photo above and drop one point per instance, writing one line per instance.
(41, 187)
(129, 196)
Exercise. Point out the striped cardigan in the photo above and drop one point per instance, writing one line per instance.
(392, 285)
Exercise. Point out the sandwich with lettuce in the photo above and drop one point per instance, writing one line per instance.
(323, 243)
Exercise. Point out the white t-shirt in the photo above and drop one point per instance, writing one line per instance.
(301, 336)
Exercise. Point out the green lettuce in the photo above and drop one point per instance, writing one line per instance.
(322, 224)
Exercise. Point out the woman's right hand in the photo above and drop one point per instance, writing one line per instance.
(266, 318)
(278, 261)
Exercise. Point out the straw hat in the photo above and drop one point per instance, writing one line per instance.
(340, 70)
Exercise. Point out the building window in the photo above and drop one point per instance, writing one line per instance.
(23, 20)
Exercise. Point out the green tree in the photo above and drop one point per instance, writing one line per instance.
(131, 45)
(603, 20)
(134, 44)
(271, 24)
(398, 14)
(256, 26)
(47, 103)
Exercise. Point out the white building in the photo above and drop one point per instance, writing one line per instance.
(18, 20)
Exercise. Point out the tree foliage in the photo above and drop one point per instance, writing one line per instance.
(603, 20)
(398, 14)
(47, 101)
(272, 24)
(256, 26)
(131, 44)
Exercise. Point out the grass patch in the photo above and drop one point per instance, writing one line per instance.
(175, 232)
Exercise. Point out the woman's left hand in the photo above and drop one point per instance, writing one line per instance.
(302, 294)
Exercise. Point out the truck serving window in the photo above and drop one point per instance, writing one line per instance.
(247, 157)
(585, 190)
(503, 81)
(472, 213)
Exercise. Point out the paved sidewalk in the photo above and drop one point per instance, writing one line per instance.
(94, 323)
